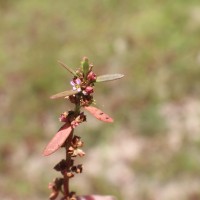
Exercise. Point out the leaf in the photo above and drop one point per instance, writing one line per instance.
(98, 114)
(108, 77)
(58, 140)
(64, 94)
(67, 68)
(95, 197)
(85, 66)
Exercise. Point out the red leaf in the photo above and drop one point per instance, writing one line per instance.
(98, 114)
(58, 140)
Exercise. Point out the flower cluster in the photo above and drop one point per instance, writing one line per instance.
(73, 118)
(83, 84)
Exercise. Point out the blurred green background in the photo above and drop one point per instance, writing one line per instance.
(152, 150)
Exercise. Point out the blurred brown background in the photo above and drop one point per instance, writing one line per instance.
(152, 150)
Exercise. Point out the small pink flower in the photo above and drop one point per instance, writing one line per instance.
(74, 124)
(91, 76)
(76, 84)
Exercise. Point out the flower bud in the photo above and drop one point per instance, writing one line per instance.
(70, 151)
(63, 117)
(91, 76)
(77, 169)
(53, 195)
(70, 174)
(88, 90)
(80, 152)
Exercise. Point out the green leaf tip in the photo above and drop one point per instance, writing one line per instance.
(109, 77)
(67, 68)
(85, 66)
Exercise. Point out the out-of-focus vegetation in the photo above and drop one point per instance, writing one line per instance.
(152, 149)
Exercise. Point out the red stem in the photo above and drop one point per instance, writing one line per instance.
(68, 157)
(66, 186)
(68, 161)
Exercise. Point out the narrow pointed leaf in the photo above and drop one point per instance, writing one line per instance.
(85, 66)
(100, 115)
(67, 68)
(64, 94)
(108, 77)
(58, 140)
(95, 197)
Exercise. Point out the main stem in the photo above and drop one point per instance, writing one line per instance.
(68, 157)
(68, 162)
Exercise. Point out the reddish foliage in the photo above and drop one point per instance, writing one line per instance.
(100, 115)
(58, 140)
